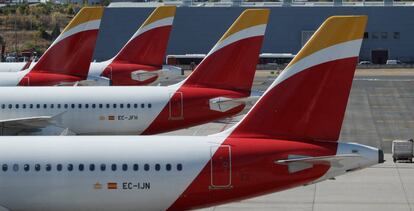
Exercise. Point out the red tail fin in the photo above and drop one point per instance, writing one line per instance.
(231, 63)
(71, 53)
(308, 100)
(149, 44)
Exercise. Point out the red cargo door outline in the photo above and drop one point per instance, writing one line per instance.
(176, 106)
(220, 167)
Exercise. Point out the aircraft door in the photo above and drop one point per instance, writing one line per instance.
(220, 167)
(176, 106)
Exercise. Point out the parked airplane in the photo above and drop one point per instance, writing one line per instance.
(67, 59)
(289, 139)
(219, 87)
(139, 62)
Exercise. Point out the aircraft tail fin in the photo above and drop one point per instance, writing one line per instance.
(71, 53)
(149, 43)
(308, 99)
(231, 63)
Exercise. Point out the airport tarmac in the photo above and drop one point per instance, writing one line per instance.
(380, 109)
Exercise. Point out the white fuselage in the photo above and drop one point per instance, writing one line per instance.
(87, 110)
(141, 189)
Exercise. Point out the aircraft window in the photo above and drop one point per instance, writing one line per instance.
(58, 105)
(146, 167)
(168, 167)
(26, 167)
(44, 105)
(86, 105)
(114, 105)
(24, 106)
(16, 167)
(37, 167)
(124, 167)
(3, 106)
(91, 167)
(121, 105)
(157, 167)
(4, 167)
(142, 105)
(128, 105)
(10, 106)
(149, 105)
(52, 105)
(59, 167)
(37, 106)
(72, 105)
(100, 105)
(135, 167)
(81, 167)
(93, 105)
(107, 105)
(17, 106)
(70, 167)
(31, 106)
(135, 105)
(66, 105)
(113, 167)
(48, 167)
(103, 167)
(80, 106)
(179, 167)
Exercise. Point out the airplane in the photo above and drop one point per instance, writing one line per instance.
(219, 87)
(140, 60)
(67, 60)
(288, 139)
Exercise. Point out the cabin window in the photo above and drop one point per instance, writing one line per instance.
(124, 167)
(179, 167)
(103, 167)
(59, 167)
(31, 106)
(135, 105)
(44, 106)
(26, 167)
(149, 105)
(3, 106)
(17, 106)
(142, 105)
(157, 167)
(37, 167)
(79, 105)
(52, 105)
(92, 167)
(16, 167)
(93, 105)
(10, 106)
(128, 105)
(48, 167)
(37, 106)
(146, 167)
(113, 167)
(72, 105)
(107, 106)
(121, 105)
(168, 167)
(114, 105)
(86, 105)
(135, 167)
(24, 106)
(4, 167)
(58, 106)
(70, 167)
(81, 167)
(100, 105)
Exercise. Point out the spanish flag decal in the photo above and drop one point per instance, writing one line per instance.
(112, 185)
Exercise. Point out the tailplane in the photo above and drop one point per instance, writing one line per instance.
(231, 64)
(308, 99)
(149, 44)
(71, 53)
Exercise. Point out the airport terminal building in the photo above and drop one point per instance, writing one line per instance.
(197, 26)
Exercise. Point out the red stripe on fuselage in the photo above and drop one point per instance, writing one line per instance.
(70, 56)
(196, 110)
(254, 171)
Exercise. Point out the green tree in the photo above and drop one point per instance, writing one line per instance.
(55, 32)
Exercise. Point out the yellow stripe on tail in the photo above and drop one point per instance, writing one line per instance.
(84, 15)
(159, 13)
(335, 30)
